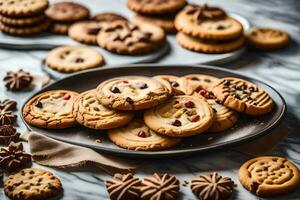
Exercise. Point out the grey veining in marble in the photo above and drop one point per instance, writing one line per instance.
(280, 69)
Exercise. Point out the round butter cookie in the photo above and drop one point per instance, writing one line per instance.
(22, 22)
(21, 8)
(24, 31)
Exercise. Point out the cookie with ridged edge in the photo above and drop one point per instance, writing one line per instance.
(22, 22)
(155, 7)
(243, 96)
(89, 112)
(137, 136)
(181, 116)
(131, 93)
(51, 109)
(197, 45)
(21, 8)
(268, 176)
(68, 59)
(25, 31)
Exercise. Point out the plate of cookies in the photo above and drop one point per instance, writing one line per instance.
(155, 111)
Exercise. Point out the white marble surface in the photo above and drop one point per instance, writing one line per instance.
(280, 69)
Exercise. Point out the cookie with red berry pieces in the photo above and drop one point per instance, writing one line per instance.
(131, 93)
(181, 116)
(137, 136)
(196, 82)
(243, 96)
(52, 109)
(174, 84)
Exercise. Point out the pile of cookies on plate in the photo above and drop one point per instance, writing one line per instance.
(151, 113)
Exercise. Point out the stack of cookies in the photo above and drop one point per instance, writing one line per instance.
(23, 17)
(158, 12)
(64, 14)
(208, 30)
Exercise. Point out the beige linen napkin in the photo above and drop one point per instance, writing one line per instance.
(53, 153)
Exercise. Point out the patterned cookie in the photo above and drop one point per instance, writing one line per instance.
(68, 59)
(198, 45)
(24, 21)
(137, 136)
(196, 82)
(123, 37)
(131, 93)
(155, 7)
(174, 84)
(267, 38)
(24, 31)
(207, 23)
(243, 96)
(269, 176)
(89, 112)
(181, 116)
(67, 12)
(21, 8)
(60, 28)
(166, 22)
(32, 184)
(108, 17)
(52, 109)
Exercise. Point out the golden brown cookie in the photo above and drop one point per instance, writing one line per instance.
(207, 23)
(108, 17)
(267, 38)
(131, 93)
(68, 59)
(137, 136)
(52, 109)
(174, 84)
(60, 28)
(32, 184)
(196, 82)
(155, 7)
(24, 21)
(21, 8)
(181, 116)
(198, 45)
(24, 31)
(89, 112)
(269, 176)
(243, 96)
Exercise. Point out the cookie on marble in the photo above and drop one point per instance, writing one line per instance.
(269, 176)
(243, 96)
(108, 17)
(155, 7)
(181, 116)
(267, 38)
(25, 31)
(131, 93)
(195, 44)
(68, 59)
(22, 22)
(196, 82)
(207, 23)
(174, 84)
(21, 8)
(137, 136)
(32, 184)
(89, 112)
(52, 110)
(123, 37)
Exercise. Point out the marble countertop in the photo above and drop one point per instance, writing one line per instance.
(280, 69)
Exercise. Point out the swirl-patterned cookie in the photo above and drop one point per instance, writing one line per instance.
(123, 37)
(196, 82)
(174, 84)
(181, 116)
(131, 93)
(89, 112)
(243, 96)
(269, 176)
(137, 136)
(52, 109)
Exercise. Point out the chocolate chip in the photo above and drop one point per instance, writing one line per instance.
(249, 98)
(93, 31)
(115, 90)
(144, 86)
(176, 123)
(195, 79)
(237, 96)
(252, 89)
(174, 84)
(220, 27)
(214, 110)
(129, 100)
(207, 80)
(255, 104)
(39, 104)
(79, 60)
(96, 109)
(218, 102)
(226, 83)
(237, 87)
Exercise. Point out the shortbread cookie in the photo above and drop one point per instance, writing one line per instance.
(32, 184)
(24, 21)
(108, 17)
(207, 23)
(166, 22)
(24, 31)
(137, 136)
(67, 12)
(21, 8)
(181, 116)
(267, 38)
(68, 59)
(89, 112)
(198, 45)
(52, 109)
(131, 93)
(243, 96)
(269, 176)
(123, 37)
(60, 28)
(196, 82)
(174, 84)
(155, 7)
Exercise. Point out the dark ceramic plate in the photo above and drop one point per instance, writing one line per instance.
(247, 129)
